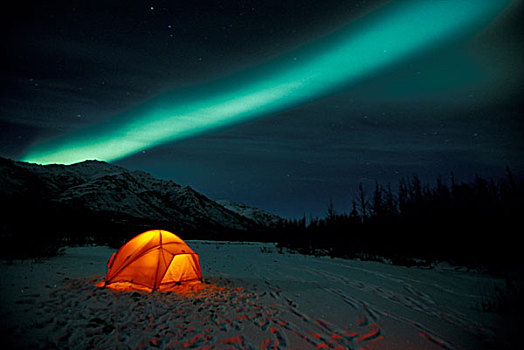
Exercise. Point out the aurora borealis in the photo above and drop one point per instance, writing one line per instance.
(283, 105)
(397, 32)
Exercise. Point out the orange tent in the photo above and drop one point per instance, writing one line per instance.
(154, 260)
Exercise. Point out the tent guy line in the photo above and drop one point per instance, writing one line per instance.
(360, 51)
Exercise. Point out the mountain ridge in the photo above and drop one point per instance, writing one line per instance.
(96, 193)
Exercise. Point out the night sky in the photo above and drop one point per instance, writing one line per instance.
(283, 105)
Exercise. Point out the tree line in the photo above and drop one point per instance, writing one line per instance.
(473, 224)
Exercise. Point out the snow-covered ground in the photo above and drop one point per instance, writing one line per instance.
(253, 298)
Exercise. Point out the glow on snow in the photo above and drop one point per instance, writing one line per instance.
(393, 34)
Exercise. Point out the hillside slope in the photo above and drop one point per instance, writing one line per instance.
(94, 196)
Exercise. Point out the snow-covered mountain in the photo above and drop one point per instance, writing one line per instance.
(105, 190)
(261, 217)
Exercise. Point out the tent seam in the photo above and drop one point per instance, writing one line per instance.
(160, 253)
(168, 265)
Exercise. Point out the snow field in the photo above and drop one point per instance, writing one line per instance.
(252, 298)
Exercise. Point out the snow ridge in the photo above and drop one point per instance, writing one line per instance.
(99, 187)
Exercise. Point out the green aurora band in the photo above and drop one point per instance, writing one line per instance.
(389, 36)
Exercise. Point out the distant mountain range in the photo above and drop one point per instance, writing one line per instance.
(101, 197)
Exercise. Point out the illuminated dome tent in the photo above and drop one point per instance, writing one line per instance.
(153, 260)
